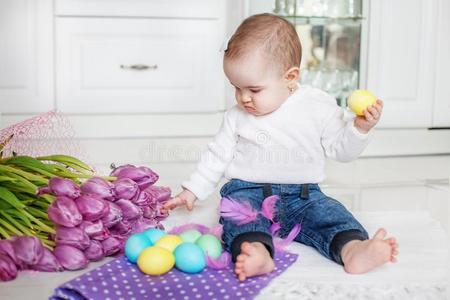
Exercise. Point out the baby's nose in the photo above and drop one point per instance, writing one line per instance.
(246, 99)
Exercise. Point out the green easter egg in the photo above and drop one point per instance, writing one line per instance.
(210, 245)
(190, 236)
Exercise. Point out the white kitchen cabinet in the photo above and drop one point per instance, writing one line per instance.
(26, 56)
(401, 60)
(146, 58)
(441, 112)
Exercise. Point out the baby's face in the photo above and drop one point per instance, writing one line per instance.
(259, 87)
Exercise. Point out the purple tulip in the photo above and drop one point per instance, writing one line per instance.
(75, 237)
(143, 224)
(126, 188)
(111, 245)
(70, 257)
(143, 176)
(92, 207)
(28, 249)
(148, 212)
(8, 269)
(100, 187)
(95, 251)
(121, 228)
(129, 210)
(159, 193)
(113, 217)
(64, 187)
(48, 263)
(95, 230)
(63, 211)
(7, 249)
(143, 199)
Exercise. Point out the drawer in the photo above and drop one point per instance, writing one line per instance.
(141, 8)
(119, 65)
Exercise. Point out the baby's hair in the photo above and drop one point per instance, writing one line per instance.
(276, 37)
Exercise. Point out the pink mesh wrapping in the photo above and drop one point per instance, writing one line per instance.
(45, 134)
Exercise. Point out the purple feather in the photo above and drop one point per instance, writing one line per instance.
(180, 229)
(268, 207)
(280, 244)
(221, 263)
(217, 231)
(240, 213)
(274, 228)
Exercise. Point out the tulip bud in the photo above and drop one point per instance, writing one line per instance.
(113, 217)
(28, 249)
(111, 245)
(75, 237)
(94, 252)
(121, 228)
(70, 257)
(143, 224)
(95, 230)
(8, 269)
(129, 210)
(100, 187)
(91, 207)
(148, 212)
(48, 263)
(126, 188)
(64, 187)
(7, 249)
(159, 193)
(63, 211)
(143, 176)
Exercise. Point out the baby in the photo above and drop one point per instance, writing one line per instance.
(274, 142)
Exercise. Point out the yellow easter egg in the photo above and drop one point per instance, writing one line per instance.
(360, 100)
(169, 242)
(155, 261)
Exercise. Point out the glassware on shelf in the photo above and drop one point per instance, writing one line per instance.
(280, 7)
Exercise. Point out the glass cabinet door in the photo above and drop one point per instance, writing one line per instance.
(330, 33)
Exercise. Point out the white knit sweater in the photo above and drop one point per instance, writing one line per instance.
(288, 145)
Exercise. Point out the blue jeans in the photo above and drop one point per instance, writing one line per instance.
(321, 217)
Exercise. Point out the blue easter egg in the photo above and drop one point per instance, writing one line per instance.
(154, 234)
(135, 244)
(189, 258)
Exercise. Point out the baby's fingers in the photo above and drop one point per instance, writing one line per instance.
(173, 203)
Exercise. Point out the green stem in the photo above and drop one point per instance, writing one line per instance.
(11, 228)
(17, 224)
(4, 233)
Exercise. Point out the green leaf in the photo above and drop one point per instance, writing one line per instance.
(4, 233)
(11, 228)
(10, 198)
(17, 224)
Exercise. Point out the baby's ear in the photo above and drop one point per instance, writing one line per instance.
(292, 75)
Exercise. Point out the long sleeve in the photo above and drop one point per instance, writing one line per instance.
(341, 140)
(214, 160)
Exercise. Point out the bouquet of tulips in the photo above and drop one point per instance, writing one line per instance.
(56, 215)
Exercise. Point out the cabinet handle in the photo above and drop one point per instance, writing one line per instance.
(139, 67)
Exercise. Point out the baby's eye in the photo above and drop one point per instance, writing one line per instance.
(255, 91)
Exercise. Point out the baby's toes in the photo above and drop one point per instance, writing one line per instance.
(241, 257)
(246, 247)
(242, 277)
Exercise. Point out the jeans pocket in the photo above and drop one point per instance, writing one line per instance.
(224, 189)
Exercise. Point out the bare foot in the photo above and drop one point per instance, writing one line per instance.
(362, 256)
(254, 260)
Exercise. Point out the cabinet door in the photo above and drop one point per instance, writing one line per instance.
(138, 65)
(401, 60)
(441, 113)
(26, 56)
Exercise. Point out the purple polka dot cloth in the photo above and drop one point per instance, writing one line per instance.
(119, 279)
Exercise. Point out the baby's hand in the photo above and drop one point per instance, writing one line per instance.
(186, 197)
(371, 117)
